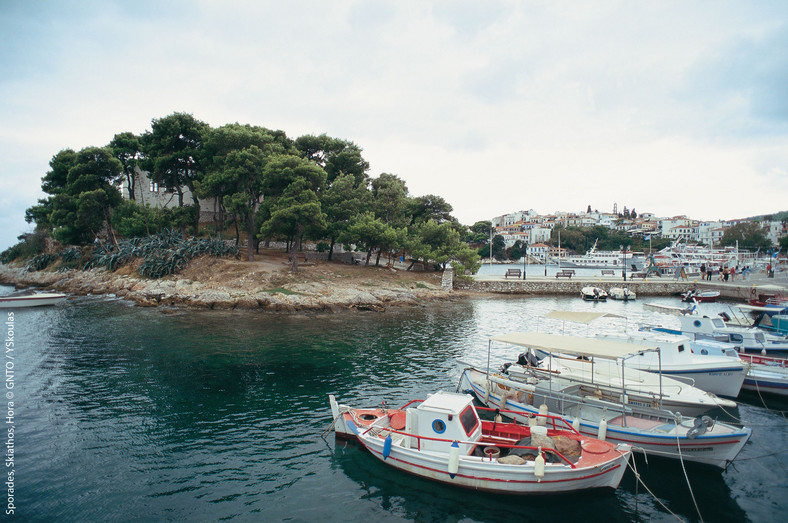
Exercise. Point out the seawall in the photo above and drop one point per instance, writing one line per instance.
(540, 285)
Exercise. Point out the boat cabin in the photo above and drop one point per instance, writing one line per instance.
(716, 329)
(445, 416)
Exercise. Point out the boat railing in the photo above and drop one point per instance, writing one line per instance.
(376, 429)
(630, 386)
(557, 422)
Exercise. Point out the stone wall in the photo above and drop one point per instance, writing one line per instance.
(569, 288)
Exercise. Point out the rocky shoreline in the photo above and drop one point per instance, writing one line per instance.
(181, 292)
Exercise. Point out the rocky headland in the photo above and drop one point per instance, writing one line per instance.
(267, 285)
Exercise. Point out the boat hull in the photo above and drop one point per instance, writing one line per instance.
(32, 300)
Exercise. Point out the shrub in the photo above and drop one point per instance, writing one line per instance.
(30, 245)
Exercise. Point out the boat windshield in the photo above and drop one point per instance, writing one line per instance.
(469, 420)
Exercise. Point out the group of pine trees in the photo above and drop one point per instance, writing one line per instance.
(264, 183)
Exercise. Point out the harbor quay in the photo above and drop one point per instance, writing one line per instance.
(540, 285)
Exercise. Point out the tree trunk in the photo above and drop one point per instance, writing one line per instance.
(237, 231)
(197, 212)
(130, 181)
(295, 248)
(250, 237)
(331, 249)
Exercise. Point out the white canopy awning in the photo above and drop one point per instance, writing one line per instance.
(580, 316)
(559, 344)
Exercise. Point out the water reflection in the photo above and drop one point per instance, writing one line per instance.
(208, 415)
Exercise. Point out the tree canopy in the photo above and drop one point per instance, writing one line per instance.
(315, 187)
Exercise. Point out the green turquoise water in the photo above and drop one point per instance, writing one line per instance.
(127, 413)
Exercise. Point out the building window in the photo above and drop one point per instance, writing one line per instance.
(154, 187)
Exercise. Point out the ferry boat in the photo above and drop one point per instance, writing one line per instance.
(679, 255)
(594, 259)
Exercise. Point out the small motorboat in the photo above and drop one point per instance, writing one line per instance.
(715, 329)
(27, 299)
(591, 293)
(765, 374)
(443, 438)
(700, 296)
(622, 293)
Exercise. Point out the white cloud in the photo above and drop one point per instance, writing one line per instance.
(672, 108)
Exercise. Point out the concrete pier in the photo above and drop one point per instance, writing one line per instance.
(738, 289)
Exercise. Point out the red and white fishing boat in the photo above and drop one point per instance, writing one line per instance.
(30, 299)
(443, 438)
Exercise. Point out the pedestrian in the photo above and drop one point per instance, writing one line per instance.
(726, 274)
(733, 273)
(703, 271)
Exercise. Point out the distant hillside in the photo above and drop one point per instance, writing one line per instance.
(777, 217)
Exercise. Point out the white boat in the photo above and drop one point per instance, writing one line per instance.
(748, 339)
(677, 358)
(696, 296)
(444, 439)
(591, 293)
(30, 299)
(681, 255)
(764, 374)
(594, 259)
(657, 432)
(622, 293)
(601, 365)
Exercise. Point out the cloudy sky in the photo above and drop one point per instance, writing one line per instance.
(670, 107)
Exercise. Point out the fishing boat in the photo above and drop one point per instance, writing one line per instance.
(656, 431)
(603, 364)
(622, 293)
(591, 293)
(697, 296)
(27, 299)
(443, 439)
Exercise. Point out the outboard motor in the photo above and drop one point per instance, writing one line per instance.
(527, 359)
(701, 425)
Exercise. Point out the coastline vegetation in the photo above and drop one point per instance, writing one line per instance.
(263, 183)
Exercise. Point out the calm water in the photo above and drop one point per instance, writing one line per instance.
(127, 413)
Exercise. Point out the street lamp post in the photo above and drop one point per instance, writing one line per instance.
(525, 258)
(624, 266)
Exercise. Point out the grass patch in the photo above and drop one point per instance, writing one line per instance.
(421, 285)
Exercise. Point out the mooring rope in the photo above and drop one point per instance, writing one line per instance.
(331, 426)
(640, 481)
(683, 468)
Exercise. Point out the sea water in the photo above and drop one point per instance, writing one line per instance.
(129, 413)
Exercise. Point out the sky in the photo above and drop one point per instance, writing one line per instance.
(669, 107)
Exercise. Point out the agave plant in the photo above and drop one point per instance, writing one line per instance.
(40, 262)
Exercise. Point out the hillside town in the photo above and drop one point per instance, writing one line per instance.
(535, 230)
